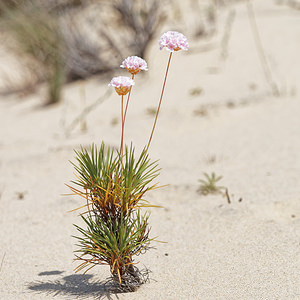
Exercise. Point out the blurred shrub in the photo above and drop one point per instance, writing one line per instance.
(101, 34)
(36, 37)
(65, 40)
(143, 18)
(4, 4)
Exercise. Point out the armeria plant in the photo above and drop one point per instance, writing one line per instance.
(113, 184)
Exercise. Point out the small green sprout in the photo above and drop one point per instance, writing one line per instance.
(208, 185)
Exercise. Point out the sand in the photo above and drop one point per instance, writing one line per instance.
(218, 115)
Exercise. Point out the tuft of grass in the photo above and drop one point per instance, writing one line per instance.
(111, 185)
(114, 186)
(208, 185)
(114, 243)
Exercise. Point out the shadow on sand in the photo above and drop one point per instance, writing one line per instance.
(77, 286)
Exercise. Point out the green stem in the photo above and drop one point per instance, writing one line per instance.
(122, 118)
(128, 100)
(161, 96)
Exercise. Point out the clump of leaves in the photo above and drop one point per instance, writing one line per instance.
(113, 184)
(114, 243)
(114, 188)
(208, 185)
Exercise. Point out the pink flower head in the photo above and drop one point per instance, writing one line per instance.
(134, 64)
(122, 84)
(173, 41)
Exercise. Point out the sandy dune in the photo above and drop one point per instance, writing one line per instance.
(218, 115)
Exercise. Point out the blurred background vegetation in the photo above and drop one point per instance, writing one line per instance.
(59, 41)
(65, 40)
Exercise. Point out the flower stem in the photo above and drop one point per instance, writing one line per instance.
(161, 96)
(128, 100)
(122, 118)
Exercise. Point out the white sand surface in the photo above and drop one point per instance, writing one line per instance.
(248, 249)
